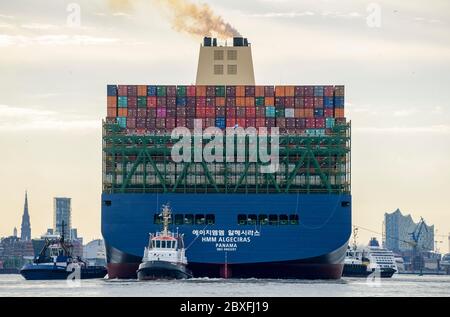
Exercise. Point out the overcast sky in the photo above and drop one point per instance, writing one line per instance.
(53, 77)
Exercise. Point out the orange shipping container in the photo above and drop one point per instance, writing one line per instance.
(201, 91)
(269, 101)
(339, 113)
(112, 102)
(142, 90)
(240, 91)
(289, 91)
(299, 113)
(240, 102)
(123, 112)
(259, 91)
(220, 101)
(280, 91)
(309, 113)
(250, 101)
(111, 112)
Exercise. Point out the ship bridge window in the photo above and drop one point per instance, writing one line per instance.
(188, 219)
(242, 219)
(251, 220)
(273, 220)
(157, 219)
(179, 219)
(210, 219)
(200, 219)
(293, 219)
(108, 203)
(284, 220)
(263, 220)
(345, 204)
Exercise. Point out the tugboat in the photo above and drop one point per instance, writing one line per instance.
(164, 257)
(55, 262)
(356, 264)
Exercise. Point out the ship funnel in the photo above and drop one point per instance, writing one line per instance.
(225, 65)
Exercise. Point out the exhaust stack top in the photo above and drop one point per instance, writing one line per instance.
(225, 65)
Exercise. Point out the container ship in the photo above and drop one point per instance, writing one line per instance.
(238, 219)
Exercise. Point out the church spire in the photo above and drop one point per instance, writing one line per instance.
(25, 232)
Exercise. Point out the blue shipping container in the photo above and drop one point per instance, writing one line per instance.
(339, 102)
(112, 90)
(181, 102)
(318, 113)
(318, 91)
(151, 91)
(328, 102)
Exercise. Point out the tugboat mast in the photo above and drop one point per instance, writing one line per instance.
(166, 218)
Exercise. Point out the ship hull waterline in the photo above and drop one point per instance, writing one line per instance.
(312, 249)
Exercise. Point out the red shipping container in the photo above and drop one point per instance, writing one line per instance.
(231, 112)
(181, 122)
(142, 113)
(170, 123)
(181, 112)
(230, 101)
(132, 112)
(250, 122)
(329, 113)
(132, 102)
(210, 112)
(131, 123)
(171, 91)
(240, 112)
(299, 91)
(111, 112)
(171, 113)
(220, 111)
(320, 123)
(210, 122)
(281, 122)
(309, 113)
(240, 101)
(309, 91)
(310, 123)
(190, 91)
(122, 90)
(231, 122)
(299, 102)
(240, 91)
(289, 102)
(328, 91)
(200, 112)
(201, 102)
(132, 90)
(171, 102)
(260, 122)
(250, 112)
(190, 123)
(339, 112)
(151, 102)
(160, 123)
(308, 102)
(241, 122)
(210, 102)
(318, 102)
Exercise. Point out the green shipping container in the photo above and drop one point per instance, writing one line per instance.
(220, 91)
(142, 102)
(122, 102)
(279, 113)
(259, 101)
(181, 91)
(161, 91)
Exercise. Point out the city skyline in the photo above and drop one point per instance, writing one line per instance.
(54, 79)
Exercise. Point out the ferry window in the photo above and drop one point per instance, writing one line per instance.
(242, 219)
(157, 220)
(199, 219)
(263, 220)
(179, 219)
(284, 220)
(158, 244)
(293, 219)
(251, 220)
(210, 219)
(273, 220)
(188, 219)
(108, 203)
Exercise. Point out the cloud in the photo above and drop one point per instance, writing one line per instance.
(432, 129)
(6, 26)
(13, 119)
(297, 14)
(20, 40)
(39, 26)
(10, 17)
(405, 112)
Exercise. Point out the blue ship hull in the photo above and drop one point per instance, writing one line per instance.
(56, 272)
(313, 248)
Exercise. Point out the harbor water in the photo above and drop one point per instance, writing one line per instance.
(398, 285)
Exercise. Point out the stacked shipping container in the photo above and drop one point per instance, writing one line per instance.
(152, 109)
